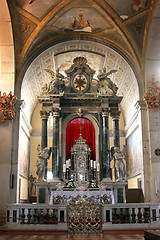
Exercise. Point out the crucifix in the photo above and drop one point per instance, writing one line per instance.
(80, 128)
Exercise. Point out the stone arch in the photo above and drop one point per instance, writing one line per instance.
(67, 120)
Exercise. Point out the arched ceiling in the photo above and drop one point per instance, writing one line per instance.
(120, 24)
(98, 56)
(118, 27)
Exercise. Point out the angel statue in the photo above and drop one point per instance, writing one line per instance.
(119, 163)
(43, 156)
(105, 84)
(57, 83)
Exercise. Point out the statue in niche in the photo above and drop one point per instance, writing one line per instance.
(119, 163)
(57, 83)
(43, 156)
(105, 84)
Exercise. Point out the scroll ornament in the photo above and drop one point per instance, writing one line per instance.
(7, 111)
(152, 96)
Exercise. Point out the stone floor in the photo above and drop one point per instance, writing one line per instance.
(120, 235)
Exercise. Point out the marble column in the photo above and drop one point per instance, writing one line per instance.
(55, 147)
(44, 137)
(105, 145)
(115, 116)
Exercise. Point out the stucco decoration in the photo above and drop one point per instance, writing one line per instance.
(98, 57)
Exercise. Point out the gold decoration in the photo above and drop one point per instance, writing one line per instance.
(80, 82)
(152, 96)
(84, 217)
(7, 106)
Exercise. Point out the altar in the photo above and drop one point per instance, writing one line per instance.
(81, 168)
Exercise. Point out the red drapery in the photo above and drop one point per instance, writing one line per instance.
(73, 133)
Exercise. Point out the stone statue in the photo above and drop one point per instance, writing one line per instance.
(57, 83)
(105, 84)
(119, 162)
(43, 156)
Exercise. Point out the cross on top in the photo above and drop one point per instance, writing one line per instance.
(80, 128)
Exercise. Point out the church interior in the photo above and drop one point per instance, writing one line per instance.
(79, 110)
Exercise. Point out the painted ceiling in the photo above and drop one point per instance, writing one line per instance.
(118, 28)
(120, 23)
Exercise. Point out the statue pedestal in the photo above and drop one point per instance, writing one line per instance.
(45, 188)
(120, 192)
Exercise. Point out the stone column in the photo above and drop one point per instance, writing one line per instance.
(55, 147)
(115, 116)
(105, 146)
(44, 137)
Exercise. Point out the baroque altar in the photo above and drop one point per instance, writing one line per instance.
(80, 95)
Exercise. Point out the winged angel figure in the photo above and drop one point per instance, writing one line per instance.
(105, 84)
(57, 83)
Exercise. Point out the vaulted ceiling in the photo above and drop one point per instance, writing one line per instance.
(116, 38)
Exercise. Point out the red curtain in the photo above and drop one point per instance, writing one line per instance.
(73, 133)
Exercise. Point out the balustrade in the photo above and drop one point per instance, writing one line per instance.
(114, 215)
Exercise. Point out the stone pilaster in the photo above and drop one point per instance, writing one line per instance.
(146, 164)
(105, 145)
(14, 183)
(55, 146)
(44, 136)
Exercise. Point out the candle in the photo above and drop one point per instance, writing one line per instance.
(95, 164)
(67, 164)
(91, 163)
(98, 167)
(64, 167)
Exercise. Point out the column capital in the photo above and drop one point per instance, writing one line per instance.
(55, 112)
(141, 105)
(19, 104)
(44, 114)
(105, 112)
(115, 114)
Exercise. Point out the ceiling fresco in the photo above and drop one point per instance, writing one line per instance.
(127, 9)
(118, 23)
(82, 19)
(37, 8)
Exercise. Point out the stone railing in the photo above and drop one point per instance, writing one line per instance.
(27, 216)
(114, 216)
(131, 215)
